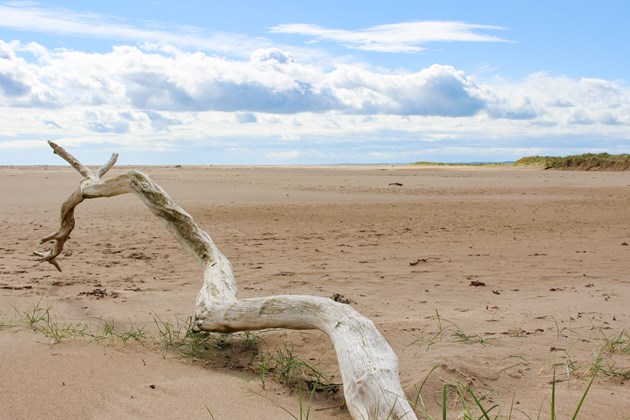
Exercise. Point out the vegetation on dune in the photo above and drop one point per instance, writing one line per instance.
(583, 162)
(426, 163)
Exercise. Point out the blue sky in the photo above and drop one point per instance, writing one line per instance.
(285, 82)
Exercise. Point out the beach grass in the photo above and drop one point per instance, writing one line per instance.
(583, 162)
(456, 334)
(429, 163)
(303, 378)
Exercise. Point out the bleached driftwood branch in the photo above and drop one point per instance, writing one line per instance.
(368, 365)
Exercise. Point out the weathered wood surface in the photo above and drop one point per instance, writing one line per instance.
(368, 365)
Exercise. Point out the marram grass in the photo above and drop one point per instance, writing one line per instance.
(583, 162)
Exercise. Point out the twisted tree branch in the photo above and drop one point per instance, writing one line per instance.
(368, 365)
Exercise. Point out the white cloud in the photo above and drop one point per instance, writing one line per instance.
(271, 81)
(20, 83)
(34, 18)
(144, 99)
(405, 37)
(436, 90)
(246, 117)
(8, 145)
(287, 155)
(560, 100)
(271, 55)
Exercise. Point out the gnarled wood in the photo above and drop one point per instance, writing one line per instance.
(368, 365)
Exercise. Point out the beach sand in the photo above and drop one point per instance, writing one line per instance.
(548, 252)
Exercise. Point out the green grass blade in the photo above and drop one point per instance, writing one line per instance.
(483, 410)
(553, 395)
(512, 406)
(444, 398)
(426, 378)
(579, 407)
(210, 413)
(276, 404)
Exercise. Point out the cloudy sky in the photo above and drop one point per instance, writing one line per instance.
(289, 82)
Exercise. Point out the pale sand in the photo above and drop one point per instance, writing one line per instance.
(551, 247)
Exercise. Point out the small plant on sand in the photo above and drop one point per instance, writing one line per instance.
(59, 330)
(418, 402)
(34, 315)
(170, 334)
(291, 371)
(462, 337)
(180, 337)
(478, 403)
(251, 341)
(302, 378)
(456, 333)
(198, 345)
(607, 366)
(474, 405)
(110, 333)
(606, 358)
(617, 344)
(566, 332)
(612, 347)
(305, 411)
(40, 319)
(5, 323)
(553, 414)
(470, 402)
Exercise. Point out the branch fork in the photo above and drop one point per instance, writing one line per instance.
(368, 365)
(67, 209)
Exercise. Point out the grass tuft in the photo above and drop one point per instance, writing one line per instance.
(109, 332)
(619, 344)
(58, 331)
(456, 333)
(39, 318)
(292, 372)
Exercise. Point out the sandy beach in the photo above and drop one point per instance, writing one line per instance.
(486, 278)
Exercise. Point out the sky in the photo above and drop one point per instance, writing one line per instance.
(317, 82)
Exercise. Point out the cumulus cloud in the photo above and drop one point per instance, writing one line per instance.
(437, 90)
(561, 100)
(20, 81)
(107, 121)
(173, 99)
(160, 122)
(117, 127)
(246, 117)
(270, 81)
(12, 87)
(395, 38)
(272, 54)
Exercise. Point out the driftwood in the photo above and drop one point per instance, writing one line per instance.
(368, 365)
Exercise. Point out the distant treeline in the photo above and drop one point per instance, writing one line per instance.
(584, 162)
